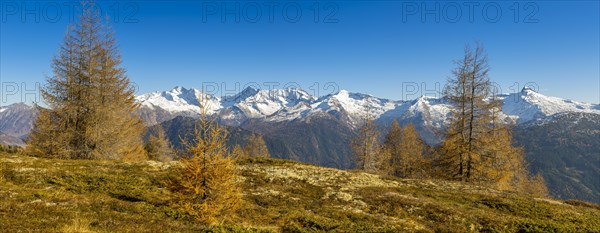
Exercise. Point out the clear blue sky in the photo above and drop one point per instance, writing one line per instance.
(364, 46)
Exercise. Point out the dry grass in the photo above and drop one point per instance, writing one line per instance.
(79, 225)
(48, 195)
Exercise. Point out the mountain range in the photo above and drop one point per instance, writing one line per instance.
(560, 136)
(351, 108)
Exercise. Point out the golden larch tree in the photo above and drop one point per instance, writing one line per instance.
(465, 138)
(91, 102)
(256, 147)
(536, 186)
(478, 145)
(206, 181)
(238, 153)
(158, 146)
(391, 146)
(411, 149)
(367, 149)
(406, 152)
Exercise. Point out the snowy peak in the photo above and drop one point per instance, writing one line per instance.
(244, 94)
(262, 103)
(182, 95)
(287, 97)
(249, 103)
(528, 105)
(15, 108)
(180, 99)
(355, 104)
(432, 111)
(373, 105)
(527, 89)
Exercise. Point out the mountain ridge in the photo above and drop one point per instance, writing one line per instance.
(293, 103)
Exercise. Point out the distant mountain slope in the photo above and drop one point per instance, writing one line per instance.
(182, 129)
(17, 119)
(320, 141)
(566, 149)
(6, 139)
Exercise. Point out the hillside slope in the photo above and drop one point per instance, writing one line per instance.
(279, 196)
(565, 148)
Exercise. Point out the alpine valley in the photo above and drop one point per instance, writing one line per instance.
(561, 137)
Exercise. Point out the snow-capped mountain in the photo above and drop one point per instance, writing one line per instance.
(269, 105)
(352, 108)
(180, 100)
(529, 105)
(17, 119)
(355, 106)
(263, 103)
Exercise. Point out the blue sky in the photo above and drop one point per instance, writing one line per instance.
(383, 48)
